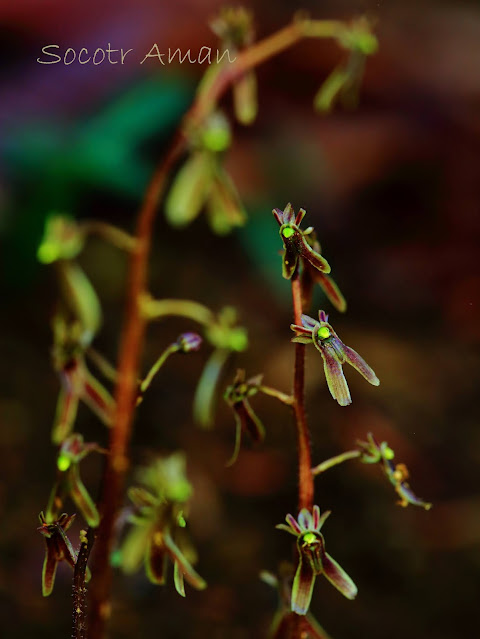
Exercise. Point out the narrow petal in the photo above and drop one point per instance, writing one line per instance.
(308, 322)
(302, 588)
(178, 579)
(301, 339)
(135, 548)
(323, 519)
(299, 217)
(67, 406)
(354, 359)
(332, 291)
(156, 559)
(322, 316)
(189, 189)
(287, 529)
(224, 208)
(337, 384)
(238, 440)
(82, 498)
(49, 570)
(315, 259)
(278, 215)
(302, 330)
(98, 399)
(245, 98)
(292, 522)
(337, 576)
(305, 519)
(254, 426)
(190, 574)
(316, 517)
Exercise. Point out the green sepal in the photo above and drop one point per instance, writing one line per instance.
(245, 101)
(189, 189)
(81, 497)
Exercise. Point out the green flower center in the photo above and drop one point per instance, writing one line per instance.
(63, 463)
(324, 332)
(288, 231)
(309, 538)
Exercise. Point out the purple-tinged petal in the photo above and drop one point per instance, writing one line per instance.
(288, 214)
(316, 517)
(305, 519)
(308, 322)
(81, 498)
(407, 496)
(337, 576)
(286, 529)
(302, 588)
(184, 566)
(337, 384)
(339, 348)
(98, 399)
(323, 317)
(49, 569)
(354, 359)
(332, 291)
(278, 215)
(315, 259)
(66, 412)
(300, 215)
(323, 519)
(292, 522)
(303, 330)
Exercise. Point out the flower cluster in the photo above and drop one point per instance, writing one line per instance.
(69, 483)
(313, 560)
(158, 521)
(334, 353)
(58, 548)
(203, 182)
(246, 421)
(296, 243)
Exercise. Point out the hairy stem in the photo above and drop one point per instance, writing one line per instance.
(305, 477)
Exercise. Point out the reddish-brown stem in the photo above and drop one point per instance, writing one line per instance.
(125, 396)
(305, 477)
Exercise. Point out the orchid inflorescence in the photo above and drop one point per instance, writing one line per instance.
(313, 560)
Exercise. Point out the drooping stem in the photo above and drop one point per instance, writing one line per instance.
(305, 477)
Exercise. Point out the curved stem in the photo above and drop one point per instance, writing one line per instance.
(305, 477)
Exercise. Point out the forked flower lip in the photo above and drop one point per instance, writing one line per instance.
(313, 560)
(334, 353)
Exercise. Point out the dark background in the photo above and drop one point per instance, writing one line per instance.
(393, 190)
